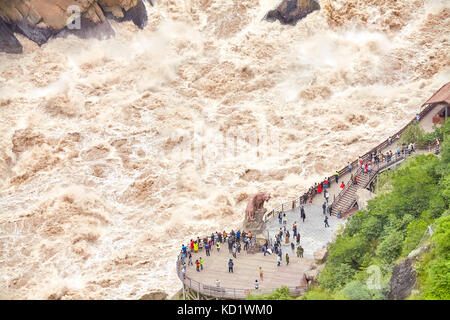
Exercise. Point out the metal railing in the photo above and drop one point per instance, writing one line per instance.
(290, 205)
(371, 175)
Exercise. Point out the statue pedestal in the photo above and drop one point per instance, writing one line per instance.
(257, 226)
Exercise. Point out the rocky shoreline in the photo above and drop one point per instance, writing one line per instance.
(40, 21)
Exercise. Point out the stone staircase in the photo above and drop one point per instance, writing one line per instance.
(346, 199)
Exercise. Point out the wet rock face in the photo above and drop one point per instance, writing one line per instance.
(8, 42)
(39, 20)
(291, 11)
(402, 281)
(155, 295)
(89, 30)
(137, 14)
(39, 35)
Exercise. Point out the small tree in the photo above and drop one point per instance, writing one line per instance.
(414, 133)
(279, 294)
(391, 247)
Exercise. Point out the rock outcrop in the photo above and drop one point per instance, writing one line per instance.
(40, 20)
(320, 256)
(8, 42)
(90, 30)
(312, 274)
(291, 11)
(403, 280)
(362, 197)
(135, 13)
(404, 277)
(155, 295)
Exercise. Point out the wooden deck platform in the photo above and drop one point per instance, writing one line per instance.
(246, 271)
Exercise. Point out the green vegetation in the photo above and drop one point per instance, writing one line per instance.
(279, 294)
(415, 133)
(434, 271)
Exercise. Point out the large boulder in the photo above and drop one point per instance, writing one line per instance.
(402, 281)
(36, 33)
(320, 256)
(311, 275)
(416, 253)
(39, 20)
(362, 197)
(291, 11)
(44, 14)
(155, 295)
(8, 42)
(135, 12)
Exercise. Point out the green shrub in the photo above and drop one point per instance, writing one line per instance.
(320, 294)
(441, 237)
(279, 294)
(437, 206)
(372, 227)
(414, 133)
(354, 224)
(391, 247)
(357, 290)
(335, 275)
(383, 184)
(444, 167)
(434, 272)
(445, 189)
(437, 282)
(414, 233)
(349, 250)
(413, 186)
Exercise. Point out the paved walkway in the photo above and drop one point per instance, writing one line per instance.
(313, 234)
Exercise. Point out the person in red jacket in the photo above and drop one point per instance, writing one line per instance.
(197, 265)
(342, 185)
(319, 188)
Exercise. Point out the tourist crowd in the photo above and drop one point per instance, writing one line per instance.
(236, 240)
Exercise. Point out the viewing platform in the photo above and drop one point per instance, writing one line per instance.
(215, 282)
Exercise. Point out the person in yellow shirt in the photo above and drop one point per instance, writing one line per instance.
(195, 246)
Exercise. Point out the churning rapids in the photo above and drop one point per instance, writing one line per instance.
(96, 193)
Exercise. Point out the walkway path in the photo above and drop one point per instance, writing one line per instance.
(313, 234)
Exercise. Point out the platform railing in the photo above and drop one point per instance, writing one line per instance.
(291, 205)
(228, 293)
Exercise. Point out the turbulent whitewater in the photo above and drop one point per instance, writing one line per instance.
(97, 187)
